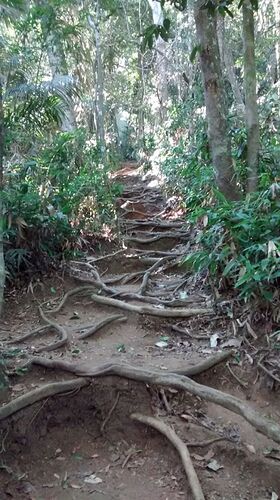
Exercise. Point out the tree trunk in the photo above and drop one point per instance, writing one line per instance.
(57, 61)
(227, 62)
(4, 382)
(251, 108)
(214, 93)
(276, 5)
(2, 264)
(99, 74)
(161, 60)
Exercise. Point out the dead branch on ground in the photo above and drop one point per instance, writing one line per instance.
(180, 446)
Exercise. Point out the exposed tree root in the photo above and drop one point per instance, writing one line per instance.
(107, 256)
(40, 393)
(124, 278)
(93, 283)
(27, 336)
(180, 446)
(205, 364)
(268, 372)
(262, 424)
(73, 291)
(60, 330)
(110, 412)
(157, 237)
(178, 329)
(153, 311)
(148, 273)
(207, 442)
(153, 222)
(104, 322)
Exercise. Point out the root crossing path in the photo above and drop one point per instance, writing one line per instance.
(134, 326)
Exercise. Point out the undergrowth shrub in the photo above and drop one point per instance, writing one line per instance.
(240, 243)
(53, 199)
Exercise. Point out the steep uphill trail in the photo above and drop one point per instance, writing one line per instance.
(134, 307)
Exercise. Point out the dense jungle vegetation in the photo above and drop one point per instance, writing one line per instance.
(191, 88)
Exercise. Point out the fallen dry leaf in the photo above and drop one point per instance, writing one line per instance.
(214, 465)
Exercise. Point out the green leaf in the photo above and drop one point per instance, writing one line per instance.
(228, 12)
(166, 24)
(229, 267)
(196, 49)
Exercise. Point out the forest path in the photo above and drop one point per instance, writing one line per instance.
(83, 444)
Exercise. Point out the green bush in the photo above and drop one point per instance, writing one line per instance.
(52, 198)
(240, 242)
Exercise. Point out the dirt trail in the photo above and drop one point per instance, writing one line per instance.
(72, 446)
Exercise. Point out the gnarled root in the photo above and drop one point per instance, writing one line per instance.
(180, 446)
(40, 393)
(262, 424)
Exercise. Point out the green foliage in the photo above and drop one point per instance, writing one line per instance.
(154, 31)
(52, 197)
(240, 243)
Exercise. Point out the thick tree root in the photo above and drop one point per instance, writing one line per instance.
(262, 424)
(180, 446)
(153, 222)
(157, 237)
(60, 330)
(40, 393)
(104, 322)
(148, 273)
(152, 311)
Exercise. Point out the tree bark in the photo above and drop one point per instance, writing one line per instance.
(4, 383)
(214, 93)
(161, 60)
(276, 5)
(99, 74)
(2, 263)
(57, 61)
(227, 61)
(251, 108)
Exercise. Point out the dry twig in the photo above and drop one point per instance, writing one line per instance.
(110, 412)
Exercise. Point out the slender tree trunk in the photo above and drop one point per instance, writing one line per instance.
(99, 73)
(57, 61)
(161, 60)
(227, 62)
(2, 264)
(276, 5)
(216, 109)
(4, 382)
(251, 108)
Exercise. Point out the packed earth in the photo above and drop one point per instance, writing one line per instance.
(130, 380)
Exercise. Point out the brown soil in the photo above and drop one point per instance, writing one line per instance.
(52, 449)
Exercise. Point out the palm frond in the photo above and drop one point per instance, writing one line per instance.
(63, 86)
(11, 9)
